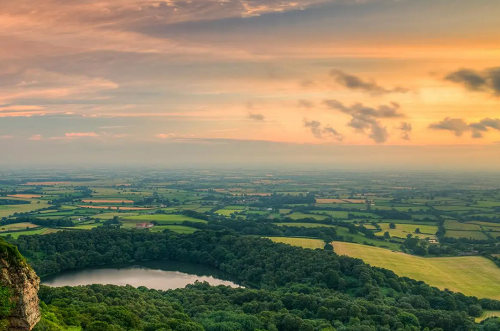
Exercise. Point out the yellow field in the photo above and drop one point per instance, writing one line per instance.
(106, 201)
(44, 183)
(471, 275)
(302, 242)
(26, 196)
(8, 210)
(17, 226)
(114, 208)
(329, 201)
(487, 314)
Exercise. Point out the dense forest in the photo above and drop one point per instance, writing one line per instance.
(286, 288)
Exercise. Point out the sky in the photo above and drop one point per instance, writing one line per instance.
(342, 83)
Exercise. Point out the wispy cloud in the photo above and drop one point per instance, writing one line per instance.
(35, 137)
(321, 132)
(353, 82)
(256, 117)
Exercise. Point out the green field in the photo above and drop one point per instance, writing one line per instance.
(345, 214)
(302, 242)
(30, 232)
(161, 218)
(227, 212)
(466, 234)
(298, 216)
(471, 275)
(8, 210)
(454, 225)
(175, 228)
(360, 239)
(402, 230)
(305, 225)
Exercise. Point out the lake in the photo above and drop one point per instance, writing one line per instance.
(160, 275)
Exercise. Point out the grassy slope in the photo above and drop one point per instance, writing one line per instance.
(471, 275)
(303, 242)
(487, 314)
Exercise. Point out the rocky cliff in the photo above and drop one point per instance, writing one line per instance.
(18, 291)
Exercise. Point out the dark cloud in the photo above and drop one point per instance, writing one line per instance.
(321, 132)
(356, 83)
(256, 117)
(405, 129)
(359, 110)
(367, 118)
(305, 104)
(483, 126)
(315, 127)
(455, 125)
(458, 126)
(487, 80)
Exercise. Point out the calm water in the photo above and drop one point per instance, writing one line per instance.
(160, 275)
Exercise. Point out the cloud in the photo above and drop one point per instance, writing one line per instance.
(35, 137)
(356, 83)
(455, 125)
(458, 126)
(315, 127)
(487, 80)
(405, 129)
(319, 132)
(366, 118)
(172, 135)
(305, 104)
(256, 117)
(80, 134)
(6, 136)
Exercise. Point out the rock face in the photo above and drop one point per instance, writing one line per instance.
(23, 284)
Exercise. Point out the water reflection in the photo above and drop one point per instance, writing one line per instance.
(160, 275)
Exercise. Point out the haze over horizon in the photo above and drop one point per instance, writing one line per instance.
(337, 84)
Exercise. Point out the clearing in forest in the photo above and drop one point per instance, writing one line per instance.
(302, 242)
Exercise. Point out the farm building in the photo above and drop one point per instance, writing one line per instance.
(144, 225)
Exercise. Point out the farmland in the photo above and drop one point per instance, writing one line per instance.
(431, 221)
(472, 275)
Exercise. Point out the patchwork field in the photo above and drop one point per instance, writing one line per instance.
(471, 275)
(302, 242)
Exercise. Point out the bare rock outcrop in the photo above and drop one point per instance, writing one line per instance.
(20, 286)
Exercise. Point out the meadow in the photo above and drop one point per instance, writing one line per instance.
(471, 275)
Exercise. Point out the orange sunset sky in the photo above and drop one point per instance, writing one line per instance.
(339, 82)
